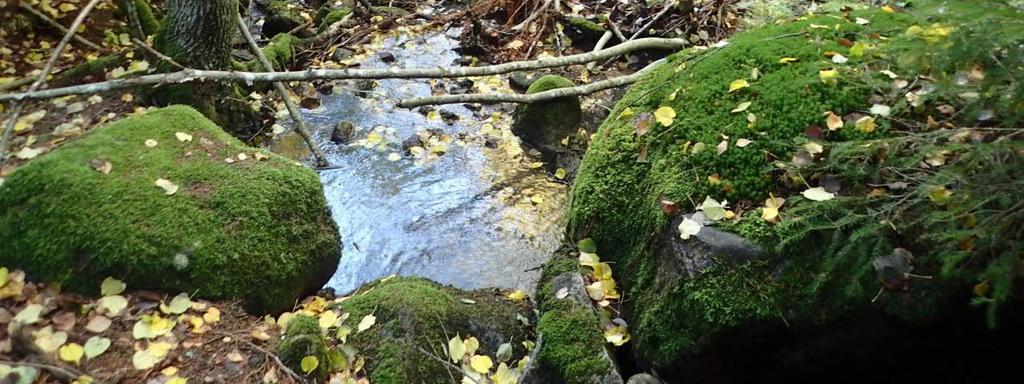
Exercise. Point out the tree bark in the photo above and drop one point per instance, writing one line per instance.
(199, 33)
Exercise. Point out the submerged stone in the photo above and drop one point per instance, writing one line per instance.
(168, 201)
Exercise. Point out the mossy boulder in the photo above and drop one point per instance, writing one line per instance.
(543, 125)
(256, 229)
(416, 315)
(784, 72)
(282, 17)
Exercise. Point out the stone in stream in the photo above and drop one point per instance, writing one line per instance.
(449, 116)
(281, 18)
(386, 57)
(172, 216)
(343, 132)
(341, 54)
(364, 86)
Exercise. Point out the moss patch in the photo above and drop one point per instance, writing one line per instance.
(416, 313)
(545, 124)
(258, 231)
(304, 338)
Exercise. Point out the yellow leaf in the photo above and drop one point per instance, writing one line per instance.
(456, 349)
(71, 352)
(787, 60)
(770, 212)
(741, 107)
(833, 121)
(617, 335)
(829, 76)
(472, 344)
(503, 375)
(309, 363)
(665, 115)
(818, 194)
(168, 187)
(367, 322)
(113, 304)
(178, 305)
(317, 305)
(111, 286)
(560, 173)
(738, 84)
(589, 259)
(212, 315)
(151, 327)
(481, 363)
(517, 295)
(939, 194)
(865, 124)
(626, 113)
(182, 136)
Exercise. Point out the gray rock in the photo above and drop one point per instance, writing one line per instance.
(693, 256)
(520, 81)
(341, 54)
(343, 132)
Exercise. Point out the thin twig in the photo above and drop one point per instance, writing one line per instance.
(488, 98)
(668, 5)
(41, 78)
(59, 26)
(540, 10)
(446, 362)
(157, 54)
(293, 110)
(337, 74)
(61, 373)
(277, 360)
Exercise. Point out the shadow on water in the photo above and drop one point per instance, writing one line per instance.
(459, 212)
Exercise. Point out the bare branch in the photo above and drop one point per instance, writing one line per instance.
(337, 74)
(490, 98)
(293, 110)
(59, 26)
(15, 107)
(157, 54)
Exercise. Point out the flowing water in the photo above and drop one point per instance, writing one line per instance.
(456, 211)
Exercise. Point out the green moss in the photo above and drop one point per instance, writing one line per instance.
(149, 23)
(333, 16)
(585, 25)
(304, 338)
(255, 231)
(281, 16)
(280, 51)
(572, 344)
(387, 11)
(616, 193)
(545, 124)
(416, 313)
(97, 67)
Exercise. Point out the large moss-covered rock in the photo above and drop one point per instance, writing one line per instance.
(256, 229)
(545, 124)
(415, 318)
(817, 267)
(303, 337)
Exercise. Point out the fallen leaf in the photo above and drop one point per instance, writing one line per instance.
(71, 353)
(829, 76)
(770, 211)
(49, 341)
(456, 349)
(833, 121)
(741, 107)
(738, 84)
(517, 295)
(98, 324)
(28, 153)
(212, 315)
(29, 314)
(880, 110)
(560, 173)
(95, 346)
(151, 143)
(562, 293)
(179, 304)
(665, 115)
(818, 194)
(168, 187)
(722, 147)
(367, 322)
(480, 363)
(617, 335)
(787, 60)
(713, 209)
(182, 136)
(939, 194)
(865, 124)
(742, 143)
(112, 304)
(688, 227)
(102, 166)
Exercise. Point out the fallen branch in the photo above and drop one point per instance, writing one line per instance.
(536, 13)
(157, 54)
(337, 74)
(669, 4)
(293, 110)
(490, 98)
(59, 26)
(599, 46)
(41, 78)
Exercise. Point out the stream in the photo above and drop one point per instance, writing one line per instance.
(467, 207)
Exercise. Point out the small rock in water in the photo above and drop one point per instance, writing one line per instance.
(473, 107)
(426, 110)
(364, 87)
(342, 132)
(449, 116)
(492, 142)
(310, 102)
(325, 88)
(386, 57)
(459, 87)
(412, 141)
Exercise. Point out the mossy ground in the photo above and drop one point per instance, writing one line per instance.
(258, 231)
(415, 313)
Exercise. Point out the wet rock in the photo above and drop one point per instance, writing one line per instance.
(449, 116)
(459, 87)
(643, 378)
(521, 81)
(364, 87)
(386, 57)
(584, 33)
(412, 141)
(691, 257)
(492, 142)
(425, 110)
(341, 54)
(310, 102)
(325, 88)
(547, 126)
(343, 132)
(281, 18)
(473, 107)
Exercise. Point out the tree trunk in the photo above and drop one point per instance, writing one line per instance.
(199, 33)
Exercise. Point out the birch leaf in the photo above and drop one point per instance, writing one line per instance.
(741, 107)
(738, 84)
(665, 115)
(688, 227)
(168, 187)
(456, 349)
(367, 322)
(818, 194)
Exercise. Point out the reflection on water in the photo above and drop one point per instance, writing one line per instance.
(473, 217)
